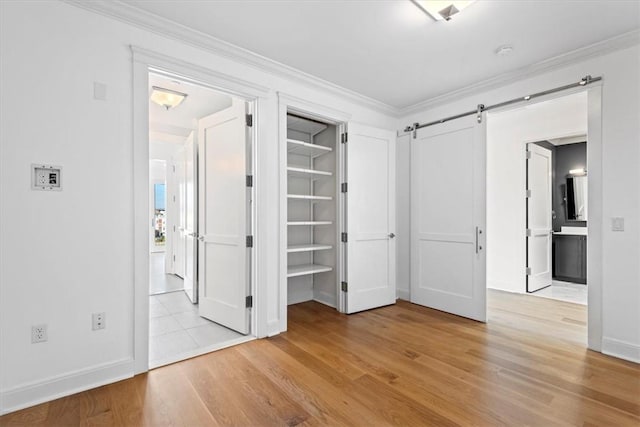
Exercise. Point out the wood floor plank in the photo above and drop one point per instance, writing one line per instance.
(396, 365)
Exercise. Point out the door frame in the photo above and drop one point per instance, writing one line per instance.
(595, 225)
(144, 62)
(339, 118)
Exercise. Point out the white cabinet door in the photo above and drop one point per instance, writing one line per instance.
(223, 268)
(539, 225)
(448, 204)
(190, 218)
(370, 255)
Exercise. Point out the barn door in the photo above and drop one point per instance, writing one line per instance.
(448, 188)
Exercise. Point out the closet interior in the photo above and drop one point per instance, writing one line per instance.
(312, 233)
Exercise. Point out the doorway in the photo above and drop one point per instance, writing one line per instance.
(534, 238)
(200, 152)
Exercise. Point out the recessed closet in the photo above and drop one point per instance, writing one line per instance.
(312, 210)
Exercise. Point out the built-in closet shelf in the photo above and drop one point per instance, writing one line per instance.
(309, 222)
(308, 248)
(306, 173)
(308, 197)
(305, 149)
(306, 269)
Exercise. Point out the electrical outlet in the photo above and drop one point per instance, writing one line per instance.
(38, 334)
(99, 321)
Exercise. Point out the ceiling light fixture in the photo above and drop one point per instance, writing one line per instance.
(167, 98)
(441, 10)
(504, 50)
(580, 171)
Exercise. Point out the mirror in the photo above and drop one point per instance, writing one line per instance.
(576, 197)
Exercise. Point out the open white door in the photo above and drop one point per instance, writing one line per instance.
(448, 188)
(539, 227)
(190, 218)
(178, 243)
(370, 256)
(223, 276)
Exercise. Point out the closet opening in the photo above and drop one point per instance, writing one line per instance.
(200, 154)
(313, 205)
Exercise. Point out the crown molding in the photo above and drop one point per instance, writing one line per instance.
(597, 49)
(142, 19)
(131, 15)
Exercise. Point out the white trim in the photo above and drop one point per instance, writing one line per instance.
(273, 327)
(597, 49)
(403, 294)
(145, 61)
(621, 349)
(34, 393)
(156, 24)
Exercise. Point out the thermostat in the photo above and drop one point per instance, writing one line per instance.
(46, 177)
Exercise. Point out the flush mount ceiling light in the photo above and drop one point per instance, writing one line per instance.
(167, 98)
(504, 50)
(441, 10)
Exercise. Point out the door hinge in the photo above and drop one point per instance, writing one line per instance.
(343, 237)
(249, 180)
(249, 241)
(174, 258)
(174, 228)
(249, 301)
(527, 271)
(344, 287)
(344, 137)
(527, 193)
(174, 168)
(249, 120)
(343, 187)
(528, 154)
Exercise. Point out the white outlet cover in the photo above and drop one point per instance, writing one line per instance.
(39, 334)
(46, 177)
(617, 224)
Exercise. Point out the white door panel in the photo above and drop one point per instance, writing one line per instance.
(448, 260)
(539, 224)
(190, 218)
(223, 277)
(370, 162)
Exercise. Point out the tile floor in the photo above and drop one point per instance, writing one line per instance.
(177, 332)
(564, 291)
(159, 281)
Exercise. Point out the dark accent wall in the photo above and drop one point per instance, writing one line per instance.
(567, 157)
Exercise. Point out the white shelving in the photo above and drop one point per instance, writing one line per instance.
(308, 197)
(305, 149)
(296, 172)
(311, 210)
(306, 269)
(308, 248)
(309, 222)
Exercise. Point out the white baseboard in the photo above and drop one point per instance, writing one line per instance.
(273, 327)
(621, 349)
(404, 294)
(325, 298)
(52, 388)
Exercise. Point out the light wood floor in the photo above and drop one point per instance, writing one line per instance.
(398, 365)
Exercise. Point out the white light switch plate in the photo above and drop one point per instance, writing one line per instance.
(617, 223)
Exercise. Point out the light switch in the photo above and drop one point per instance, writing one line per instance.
(617, 223)
(46, 177)
(99, 91)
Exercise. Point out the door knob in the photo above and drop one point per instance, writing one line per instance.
(201, 238)
(391, 235)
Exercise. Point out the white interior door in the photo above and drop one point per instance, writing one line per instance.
(190, 219)
(370, 171)
(448, 199)
(539, 226)
(223, 277)
(178, 244)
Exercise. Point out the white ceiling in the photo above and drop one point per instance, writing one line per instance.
(390, 50)
(175, 124)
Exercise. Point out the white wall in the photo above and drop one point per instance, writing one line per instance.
(507, 133)
(57, 263)
(621, 179)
